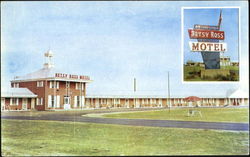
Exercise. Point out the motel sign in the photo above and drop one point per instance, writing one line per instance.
(208, 44)
(207, 47)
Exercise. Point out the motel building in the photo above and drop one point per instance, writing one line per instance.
(52, 89)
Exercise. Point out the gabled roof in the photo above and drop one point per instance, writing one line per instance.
(17, 93)
(238, 94)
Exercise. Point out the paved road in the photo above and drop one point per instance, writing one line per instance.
(77, 117)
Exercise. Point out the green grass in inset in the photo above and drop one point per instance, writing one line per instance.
(208, 114)
(30, 138)
(192, 73)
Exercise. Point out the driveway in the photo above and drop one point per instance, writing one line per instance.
(77, 117)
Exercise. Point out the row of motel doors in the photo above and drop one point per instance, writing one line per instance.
(24, 103)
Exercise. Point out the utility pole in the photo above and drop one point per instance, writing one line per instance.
(134, 92)
(169, 93)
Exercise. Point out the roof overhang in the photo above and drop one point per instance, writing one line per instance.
(17, 96)
(53, 79)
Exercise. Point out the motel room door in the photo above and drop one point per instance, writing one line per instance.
(32, 103)
(127, 103)
(24, 104)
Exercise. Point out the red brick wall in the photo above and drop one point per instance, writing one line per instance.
(39, 91)
(63, 91)
(43, 92)
(17, 107)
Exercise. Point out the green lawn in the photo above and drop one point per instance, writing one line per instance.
(208, 114)
(193, 73)
(30, 138)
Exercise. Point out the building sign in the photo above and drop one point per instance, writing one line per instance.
(207, 47)
(207, 27)
(205, 34)
(208, 44)
(70, 76)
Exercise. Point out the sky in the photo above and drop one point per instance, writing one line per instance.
(112, 42)
(229, 24)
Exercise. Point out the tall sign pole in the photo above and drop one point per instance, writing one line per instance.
(168, 93)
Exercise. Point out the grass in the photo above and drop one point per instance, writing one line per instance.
(30, 138)
(208, 114)
(192, 73)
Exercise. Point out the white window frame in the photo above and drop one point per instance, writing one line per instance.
(117, 101)
(77, 86)
(39, 83)
(16, 85)
(39, 101)
(77, 101)
(82, 86)
(12, 100)
(54, 84)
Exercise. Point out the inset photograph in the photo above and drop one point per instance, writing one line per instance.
(210, 44)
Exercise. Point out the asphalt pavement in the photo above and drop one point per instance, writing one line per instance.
(77, 117)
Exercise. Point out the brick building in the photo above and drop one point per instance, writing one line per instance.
(54, 89)
(17, 99)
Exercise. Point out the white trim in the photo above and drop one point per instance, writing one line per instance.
(57, 84)
(75, 101)
(58, 101)
(49, 101)
(51, 79)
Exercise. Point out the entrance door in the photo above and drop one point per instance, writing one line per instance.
(32, 103)
(66, 102)
(25, 103)
(127, 103)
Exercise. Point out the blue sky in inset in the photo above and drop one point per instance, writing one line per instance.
(112, 42)
(210, 16)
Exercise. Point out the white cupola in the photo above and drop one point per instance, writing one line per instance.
(48, 59)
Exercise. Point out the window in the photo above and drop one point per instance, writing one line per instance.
(77, 101)
(39, 83)
(79, 86)
(39, 101)
(103, 101)
(14, 101)
(153, 101)
(67, 84)
(16, 85)
(117, 101)
(54, 84)
(54, 101)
